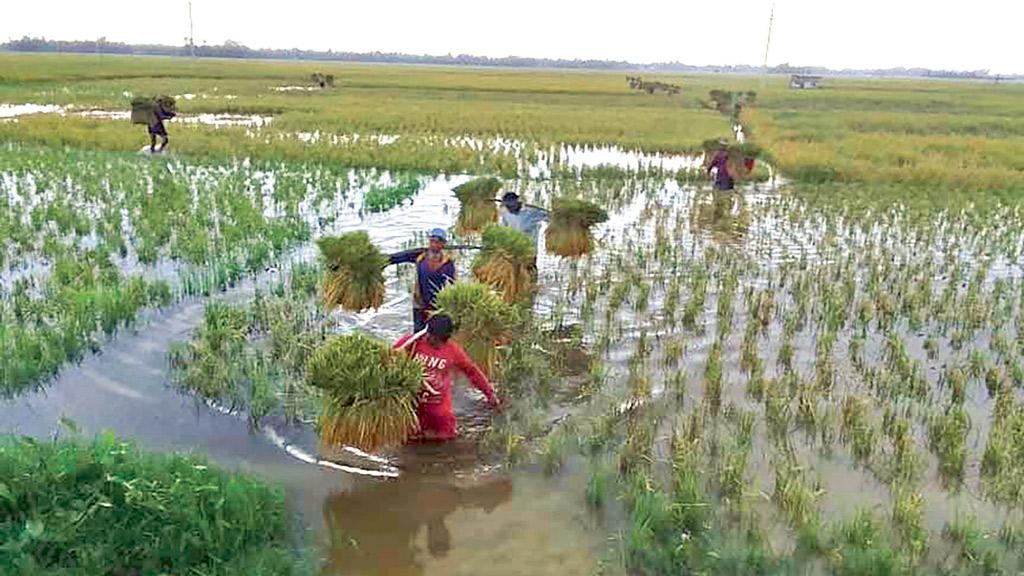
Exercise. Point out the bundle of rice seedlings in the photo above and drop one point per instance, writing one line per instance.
(568, 232)
(478, 206)
(354, 272)
(506, 262)
(484, 321)
(369, 392)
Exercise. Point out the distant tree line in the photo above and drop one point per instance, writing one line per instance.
(230, 49)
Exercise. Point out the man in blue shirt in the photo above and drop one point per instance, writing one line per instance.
(525, 219)
(434, 270)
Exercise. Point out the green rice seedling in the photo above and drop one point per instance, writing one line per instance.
(956, 379)
(777, 409)
(794, 494)
(637, 452)
(786, 352)
(713, 378)
(976, 548)
(994, 380)
(484, 322)
(506, 263)
(384, 198)
(639, 382)
(857, 431)
(571, 219)
(477, 201)
(369, 392)
(947, 438)
(211, 365)
(859, 546)
(553, 451)
(673, 351)
(908, 517)
(261, 399)
(931, 347)
(354, 272)
(756, 383)
(599, 483)
(677, 384)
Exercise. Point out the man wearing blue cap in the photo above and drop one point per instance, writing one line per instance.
(434, 270)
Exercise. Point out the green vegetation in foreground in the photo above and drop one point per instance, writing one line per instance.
(105, 508)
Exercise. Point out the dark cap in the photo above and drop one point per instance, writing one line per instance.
(440, 325)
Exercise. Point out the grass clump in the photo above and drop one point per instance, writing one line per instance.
(484, 321)
(106, 508)
(569, 231)
(369, 392)
(478, 207)
(506, 262)
(354, 278)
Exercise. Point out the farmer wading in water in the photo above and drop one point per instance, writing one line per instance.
(434, 270)
(441, 358)
(157, 128)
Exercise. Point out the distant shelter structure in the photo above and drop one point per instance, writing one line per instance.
(804, 82)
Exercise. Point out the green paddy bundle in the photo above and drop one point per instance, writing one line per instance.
(354, 276)
(506, 262)
(369, 392)
(484, 321)
(568, 232)
(144, 108)
(478, 207)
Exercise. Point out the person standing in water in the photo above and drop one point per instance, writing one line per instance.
(525, 219)
(157, 128)
(434, 270)
(720, 165)
(441, 357)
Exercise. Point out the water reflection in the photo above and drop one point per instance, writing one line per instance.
(389, 527)
(722, 215)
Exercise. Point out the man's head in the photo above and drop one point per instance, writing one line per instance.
(723, 144)
(439, 329)
(438, 239)
(511, 202)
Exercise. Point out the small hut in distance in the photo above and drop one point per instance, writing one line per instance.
(803, 81)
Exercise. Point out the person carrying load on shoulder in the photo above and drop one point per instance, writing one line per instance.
(724, 179)
(441, 357)
(434, 270)
(525, 219)
(156, 125)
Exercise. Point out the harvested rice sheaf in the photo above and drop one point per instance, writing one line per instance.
(568, 232)
(484, 321)
(478, 207)
(506, 263)
(369, 392)
(354, 277)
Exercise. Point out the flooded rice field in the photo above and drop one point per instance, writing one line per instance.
(770, 371)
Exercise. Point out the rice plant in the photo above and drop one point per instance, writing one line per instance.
(354, 276)
(568, 233)
(369, 392)
(506, 263)
(484, 322)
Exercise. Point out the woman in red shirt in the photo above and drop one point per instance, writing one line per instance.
(441, 357)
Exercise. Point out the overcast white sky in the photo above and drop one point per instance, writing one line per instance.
(947, 34)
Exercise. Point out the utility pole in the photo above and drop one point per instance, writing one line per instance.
(767, 44)
(191, 35)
